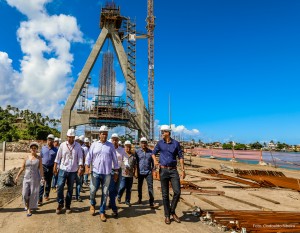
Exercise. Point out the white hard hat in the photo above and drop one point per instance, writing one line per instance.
(120, 143)
(56, 139)
(76, 138)
(127, 142)
(94, 140)
(109, 140)
(143, 139)
(81, 138)
(103, 128)
(165, 128)
(71, 133)
(50, 136)
(114, 135)
(34, 144)
(86, 140)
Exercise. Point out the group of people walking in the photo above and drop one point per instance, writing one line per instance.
(110, 167)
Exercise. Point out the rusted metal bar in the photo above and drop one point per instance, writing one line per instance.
(283, 182)
(264, 198)
(246, 202)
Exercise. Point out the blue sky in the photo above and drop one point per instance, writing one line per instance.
(231, 68)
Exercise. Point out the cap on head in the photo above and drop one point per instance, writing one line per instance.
(86, 140)
(165, 128)
(81, 138)
(114, 135)
(120, 143)
(34, 144)
(56, 139)
(143, 139)
(71, 133)
(50, 136)
(127, 142)
(76, 138)
(103, 128)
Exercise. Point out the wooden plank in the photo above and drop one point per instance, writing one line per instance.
(246, 202)
(264, 198)
(209, 202)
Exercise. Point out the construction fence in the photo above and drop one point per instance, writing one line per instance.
(2, 155)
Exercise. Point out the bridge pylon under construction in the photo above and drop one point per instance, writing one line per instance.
(110, 110)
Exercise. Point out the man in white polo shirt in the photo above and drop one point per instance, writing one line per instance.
(69, 158)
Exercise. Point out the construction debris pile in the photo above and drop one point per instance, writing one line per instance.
(254, 221)
(7, 178)
(21, 146)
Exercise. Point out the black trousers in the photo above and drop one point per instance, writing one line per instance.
(167, 176)
(48, 173)
(149, 180)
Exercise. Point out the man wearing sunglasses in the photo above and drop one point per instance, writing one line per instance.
(169, 150)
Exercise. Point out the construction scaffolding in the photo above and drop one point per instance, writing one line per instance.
(150, 33)
(107, 81)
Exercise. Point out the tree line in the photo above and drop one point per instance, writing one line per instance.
(16, 124)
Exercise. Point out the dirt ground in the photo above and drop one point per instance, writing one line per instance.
(140, 218)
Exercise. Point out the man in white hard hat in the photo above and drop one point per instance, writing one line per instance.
(56, 142)
(145, 166)
(87, 146)
(169, 150)
(70, 160)
(114, 185)
(79, 179)
(129, 170)
(48, 154)
(102, 155)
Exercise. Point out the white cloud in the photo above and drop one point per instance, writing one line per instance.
(120, 88)
(9, 77)
(179, 130)
(45, 71)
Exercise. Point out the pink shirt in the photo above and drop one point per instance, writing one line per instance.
(102, 156)
(69, 157)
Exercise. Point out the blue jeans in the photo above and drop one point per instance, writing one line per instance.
(78, 185)
(126, 183)
(113, 191)
(96, 180)
(149, 180)
(54, 181)
(64, 176)
(85, 178)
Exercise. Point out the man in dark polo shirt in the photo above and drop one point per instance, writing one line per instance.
(48, 154)
(169, 151)
(145, 167)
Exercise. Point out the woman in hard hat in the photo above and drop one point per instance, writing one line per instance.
(34, 176)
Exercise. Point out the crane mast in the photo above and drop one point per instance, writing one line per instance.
(150, 34)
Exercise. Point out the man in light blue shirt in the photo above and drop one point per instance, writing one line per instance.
(101, 156)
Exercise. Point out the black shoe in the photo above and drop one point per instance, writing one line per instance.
(119, 200)
(167, 220)
(176, 219)
(152, 205)
(128, 203)
(115, 214)
(140, 201)
(79, 199)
